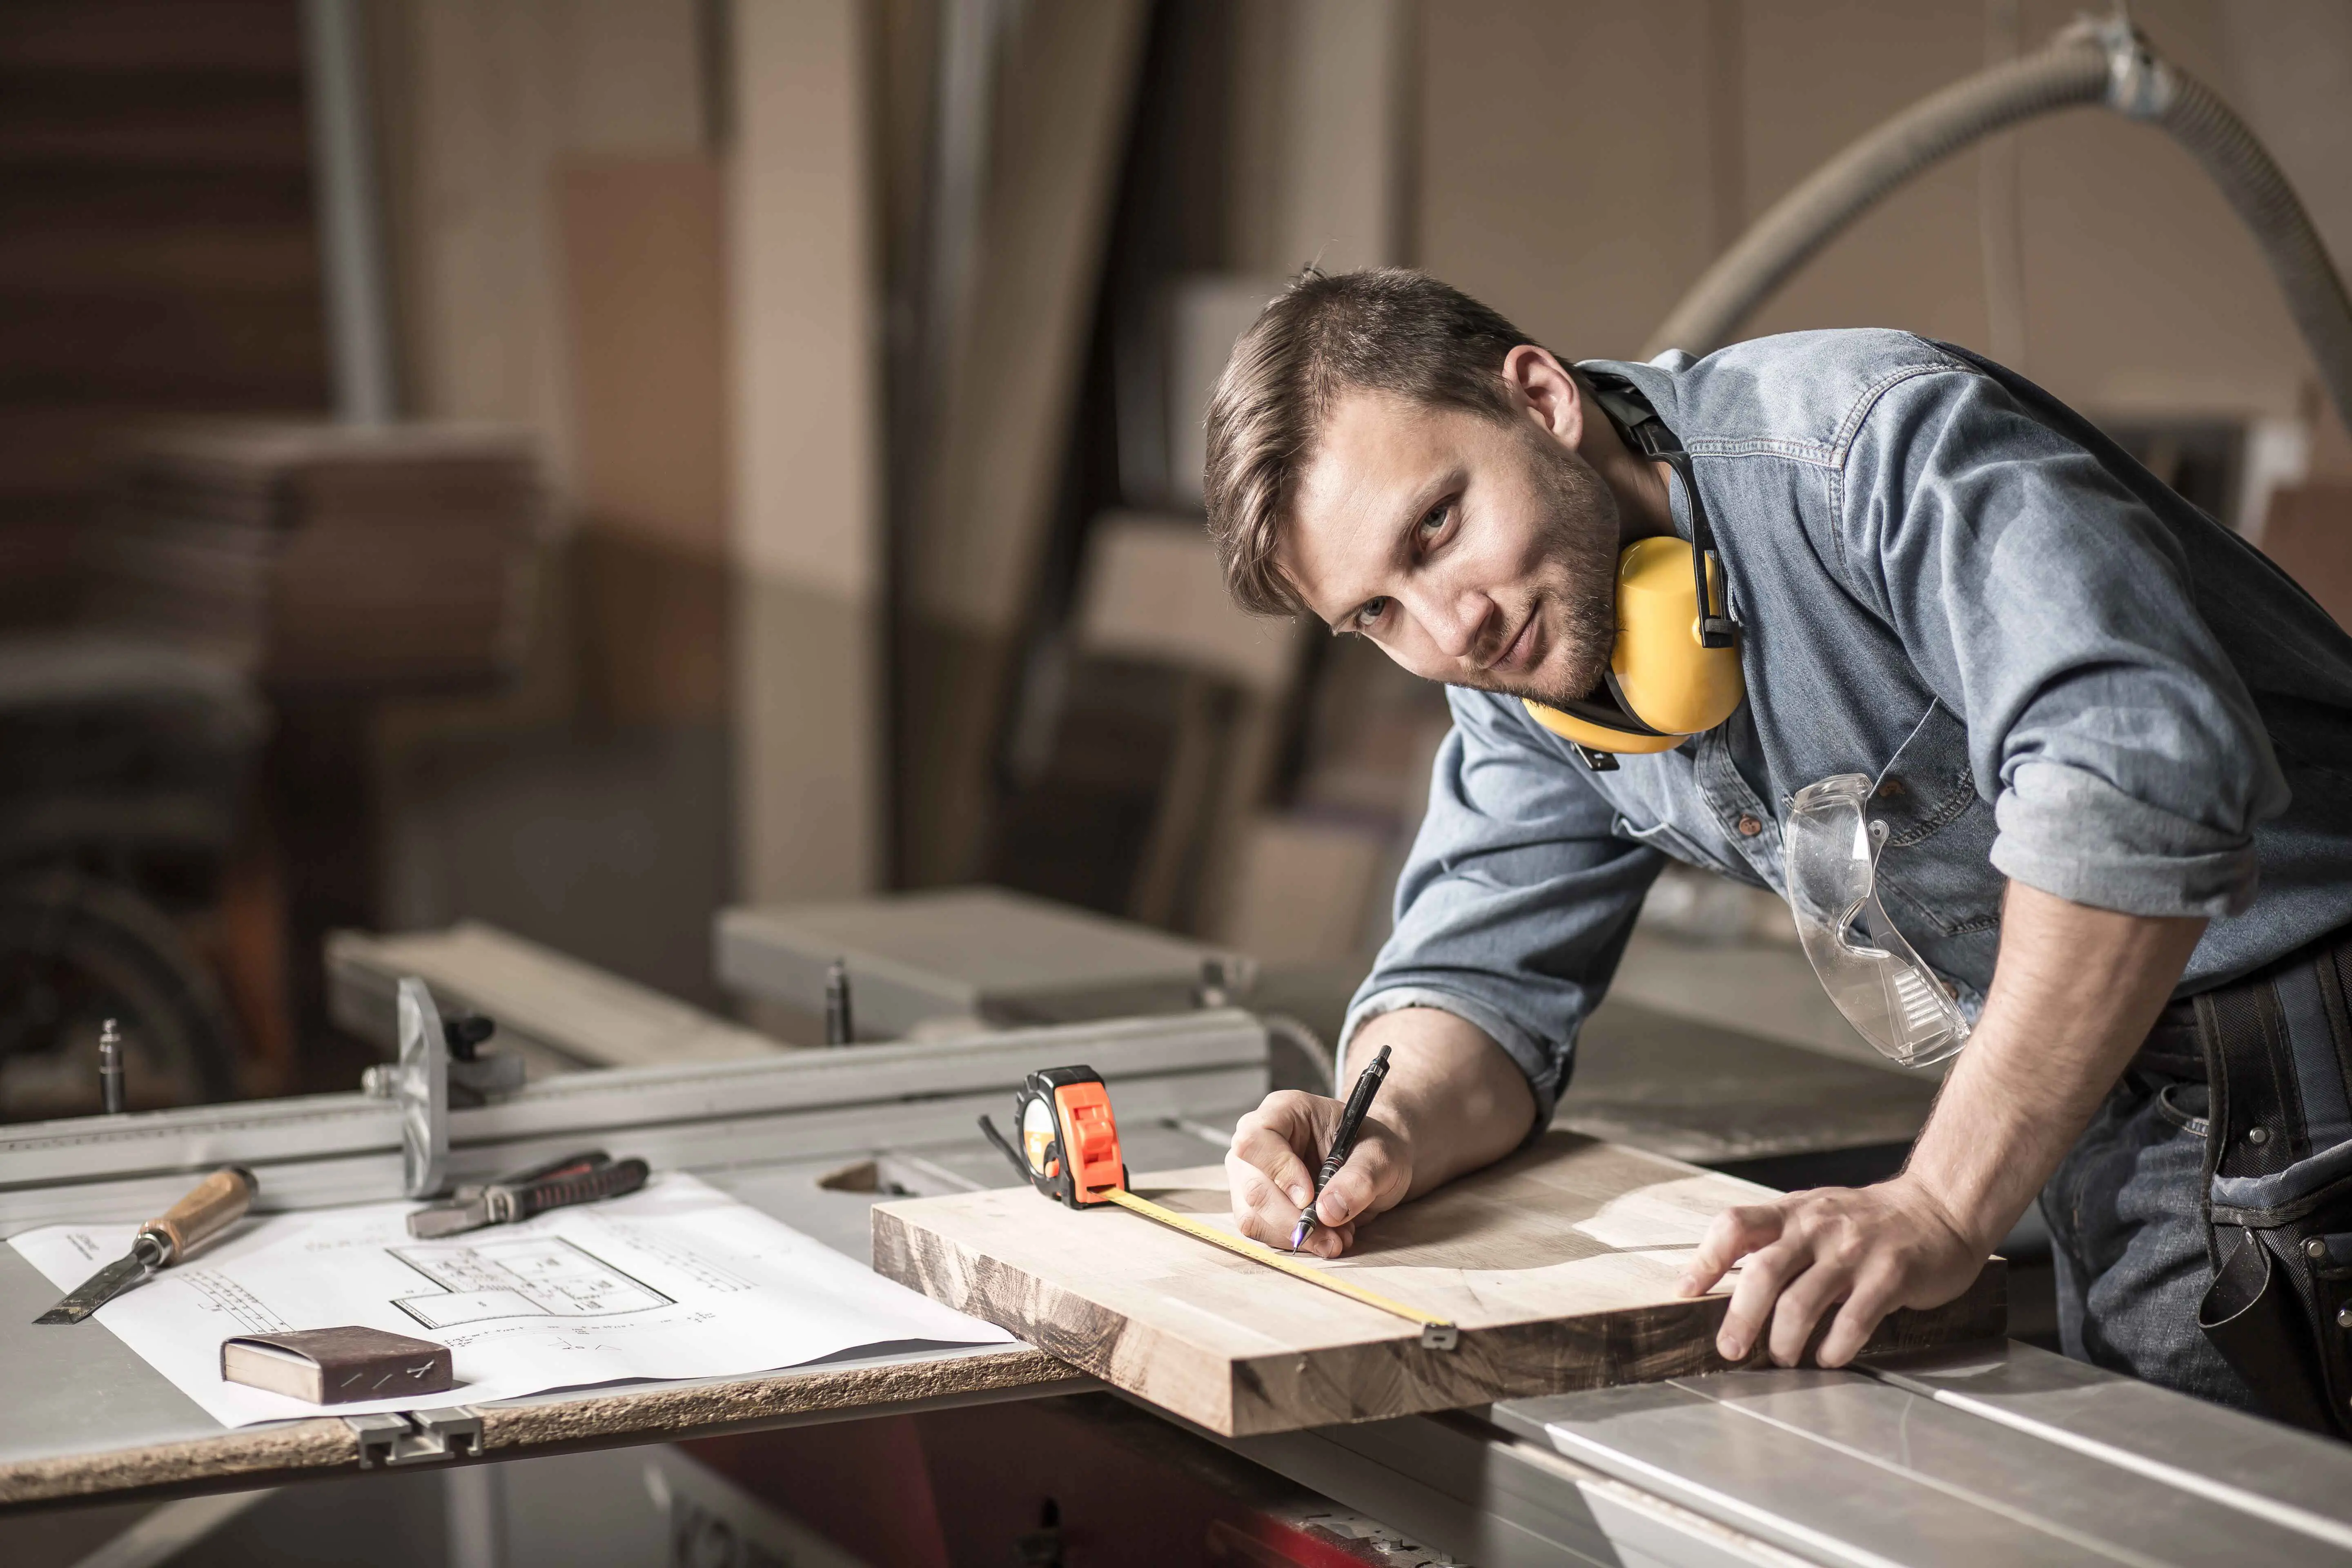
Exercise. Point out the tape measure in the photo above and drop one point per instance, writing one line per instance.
(1069, 1151)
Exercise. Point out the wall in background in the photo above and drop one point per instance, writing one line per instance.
(481, 104)
(558, 224)
(1578, 162)
(805, 531)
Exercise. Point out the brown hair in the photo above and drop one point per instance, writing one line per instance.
(1385, 330)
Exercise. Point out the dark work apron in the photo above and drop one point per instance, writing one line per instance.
(2275, 1050)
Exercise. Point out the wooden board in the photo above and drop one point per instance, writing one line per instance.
(1558, 1265)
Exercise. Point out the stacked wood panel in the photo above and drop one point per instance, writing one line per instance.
(326, 558)
(157, 253)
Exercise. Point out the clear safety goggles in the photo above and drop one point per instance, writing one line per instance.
(1877, 980)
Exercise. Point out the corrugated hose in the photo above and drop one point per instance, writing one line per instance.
(2095, 61)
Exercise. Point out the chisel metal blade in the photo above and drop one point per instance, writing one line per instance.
(99, 1288)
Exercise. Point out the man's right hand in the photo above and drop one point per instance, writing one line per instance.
(1272, 1181)
(1452, 1102)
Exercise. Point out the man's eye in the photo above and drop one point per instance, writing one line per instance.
(1436, 517)
(1370, 614)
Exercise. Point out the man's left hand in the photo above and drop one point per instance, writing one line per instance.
(1872, 1248)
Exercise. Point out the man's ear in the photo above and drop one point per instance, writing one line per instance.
(1543, 387)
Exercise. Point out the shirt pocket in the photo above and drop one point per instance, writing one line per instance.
(1672, 840)
(1937, 863)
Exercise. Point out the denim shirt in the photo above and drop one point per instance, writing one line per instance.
(2054, 670)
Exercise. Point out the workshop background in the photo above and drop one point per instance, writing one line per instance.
(576, 465)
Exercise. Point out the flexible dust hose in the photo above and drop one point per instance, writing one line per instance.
(2266, 204)
(2101, 62)
(1807, 219)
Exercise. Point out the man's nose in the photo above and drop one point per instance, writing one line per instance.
(1452, 616)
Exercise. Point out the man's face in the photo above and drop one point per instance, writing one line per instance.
(1474, 552)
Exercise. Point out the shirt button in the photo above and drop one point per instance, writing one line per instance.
(1749, 826)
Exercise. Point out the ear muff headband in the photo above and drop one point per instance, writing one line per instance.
(1673, 670)
(1594, 737)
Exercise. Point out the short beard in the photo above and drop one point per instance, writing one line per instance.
(1578, 534)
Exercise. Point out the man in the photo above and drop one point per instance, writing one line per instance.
(2110, 751)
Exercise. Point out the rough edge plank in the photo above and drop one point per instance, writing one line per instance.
(258, 1451)
(1382, 1379)
(267, 1455)
(674, 1411)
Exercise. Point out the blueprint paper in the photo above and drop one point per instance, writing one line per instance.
(675, 1280)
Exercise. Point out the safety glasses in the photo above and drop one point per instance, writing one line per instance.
(1878, 980)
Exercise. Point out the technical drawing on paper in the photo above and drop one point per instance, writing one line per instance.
(224, 1295)
(525, 1276)
(691, 1263)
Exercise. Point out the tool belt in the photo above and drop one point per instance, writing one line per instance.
(2275, 1050)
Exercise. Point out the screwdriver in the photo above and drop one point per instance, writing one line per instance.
(215, 1204)
(1351, 1121)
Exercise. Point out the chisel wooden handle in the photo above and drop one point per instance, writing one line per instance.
(216, 1202)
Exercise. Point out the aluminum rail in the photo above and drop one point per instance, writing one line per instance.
(327, 1149)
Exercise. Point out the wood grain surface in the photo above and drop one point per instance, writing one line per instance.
(1558, 1265)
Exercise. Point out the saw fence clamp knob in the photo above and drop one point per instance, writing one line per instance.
(111, 1096)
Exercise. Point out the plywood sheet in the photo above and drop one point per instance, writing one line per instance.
(1558, 1265)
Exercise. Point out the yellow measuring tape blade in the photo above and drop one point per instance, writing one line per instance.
(1260, 1253)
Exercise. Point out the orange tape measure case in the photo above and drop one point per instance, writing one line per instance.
(1068, 1141)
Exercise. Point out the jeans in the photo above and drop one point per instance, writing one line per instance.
(2129, 1237)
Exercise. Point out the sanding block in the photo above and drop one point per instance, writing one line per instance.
(338, 1366)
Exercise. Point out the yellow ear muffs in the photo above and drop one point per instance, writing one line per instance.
(1664, 682)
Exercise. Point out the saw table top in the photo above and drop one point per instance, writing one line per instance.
(81, 1415)
(1557, 1266)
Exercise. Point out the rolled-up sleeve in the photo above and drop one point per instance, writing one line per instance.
(2126, 761)
(1515, 902)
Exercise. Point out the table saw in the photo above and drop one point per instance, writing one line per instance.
(1994, 1452)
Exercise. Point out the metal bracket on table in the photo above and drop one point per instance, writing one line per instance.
(417, 1436)
(441, 1065)
(419, 1083)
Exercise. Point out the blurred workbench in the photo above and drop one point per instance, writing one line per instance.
(1719, 1053)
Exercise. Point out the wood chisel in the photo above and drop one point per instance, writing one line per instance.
(217, 1201)
(1069, 1151)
